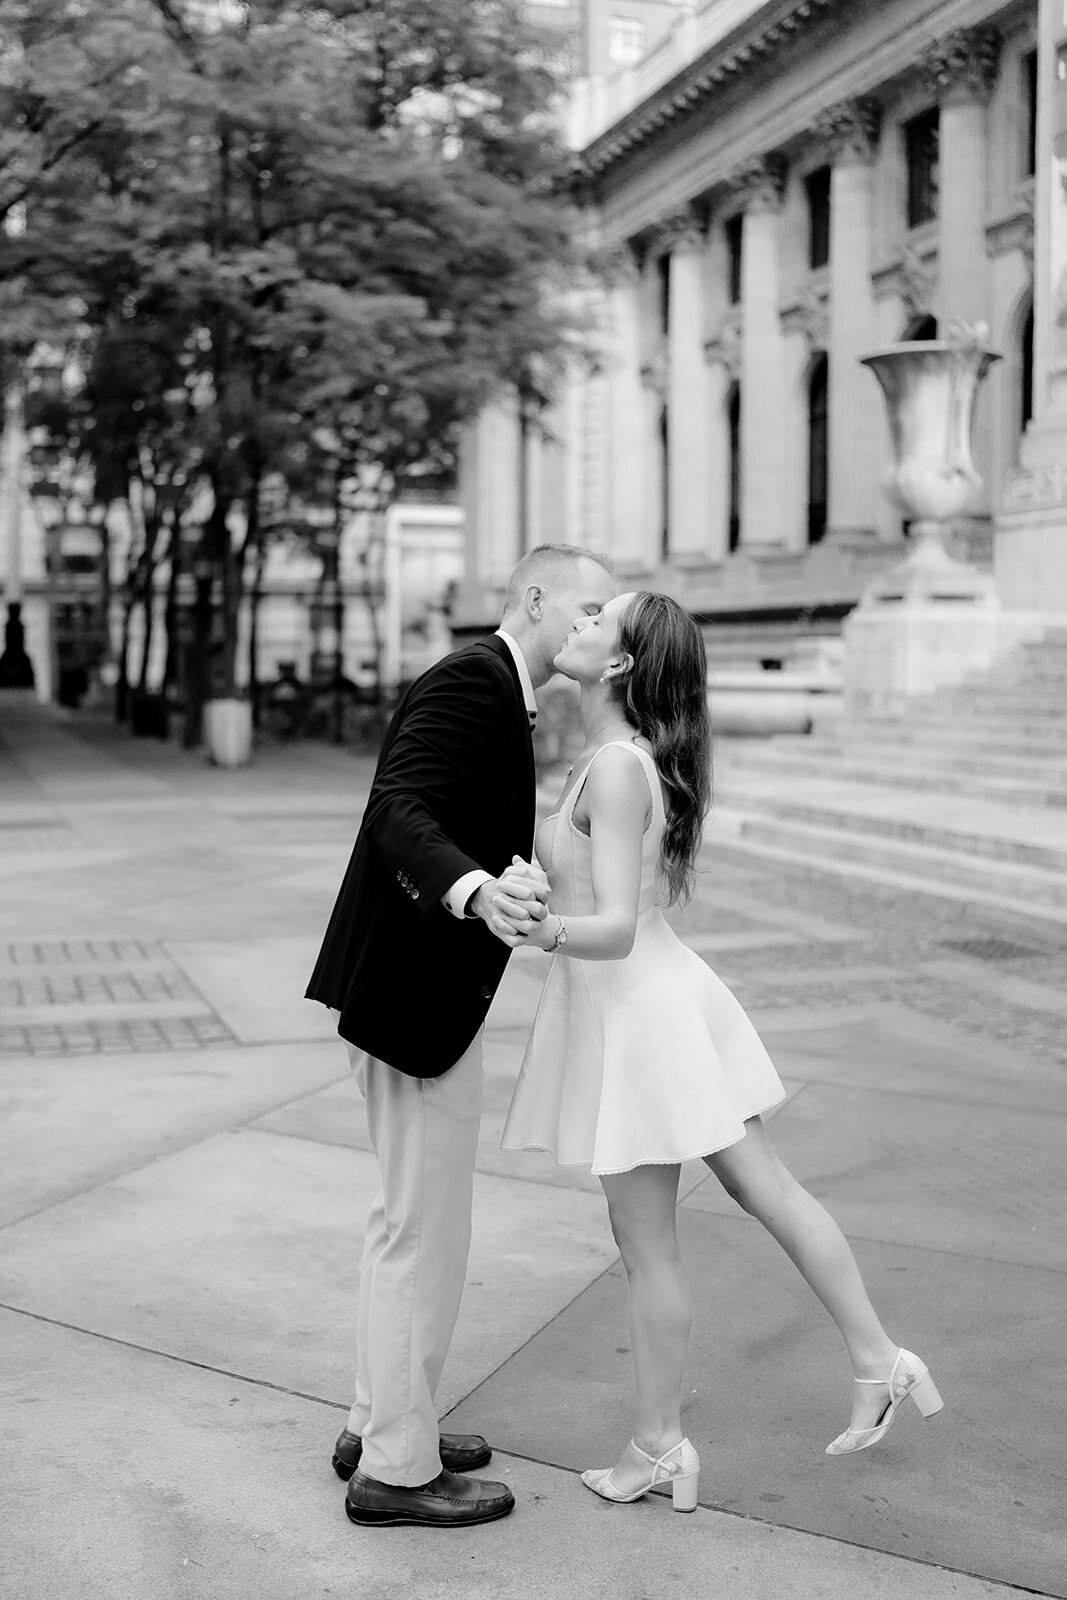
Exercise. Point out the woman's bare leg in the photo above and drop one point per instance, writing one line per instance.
(643, 1206)
(752, 1173)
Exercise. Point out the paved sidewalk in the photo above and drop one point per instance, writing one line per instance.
(184, 1175)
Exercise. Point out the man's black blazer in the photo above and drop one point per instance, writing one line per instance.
(453, 790)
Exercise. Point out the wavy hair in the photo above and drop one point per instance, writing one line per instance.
(665, 696)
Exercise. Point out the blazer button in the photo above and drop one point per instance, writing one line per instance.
(414, 894)
(487, 993)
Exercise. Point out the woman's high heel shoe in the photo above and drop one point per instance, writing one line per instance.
(679, 1466)
(909, 1376)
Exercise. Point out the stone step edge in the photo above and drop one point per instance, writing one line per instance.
(1021, 914)
(1033, 790)
(840, 820)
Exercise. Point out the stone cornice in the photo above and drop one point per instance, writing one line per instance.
(851, 129)
(728, 62)
(964, 62)
(759, 184)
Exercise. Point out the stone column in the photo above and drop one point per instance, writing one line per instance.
(857, 427)
(764, 463)
(654, 385)
(687, 464)
(626, 426)
(961, 69)
(1031, 548)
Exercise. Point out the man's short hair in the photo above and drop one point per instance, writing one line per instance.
(544, 563)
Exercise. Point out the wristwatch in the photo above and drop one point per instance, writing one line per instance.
(560, 939)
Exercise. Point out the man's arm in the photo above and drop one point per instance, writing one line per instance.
(450, 734)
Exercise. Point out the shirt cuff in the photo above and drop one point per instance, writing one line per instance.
(461, 891)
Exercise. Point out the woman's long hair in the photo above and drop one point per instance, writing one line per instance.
(665, 696)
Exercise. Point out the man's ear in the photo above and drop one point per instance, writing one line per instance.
(535, 599)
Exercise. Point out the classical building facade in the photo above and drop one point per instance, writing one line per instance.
(779, 189)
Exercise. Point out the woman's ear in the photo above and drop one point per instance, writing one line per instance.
(618, 668)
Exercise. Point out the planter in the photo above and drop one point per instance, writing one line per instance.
(228, 732)
(930, 388)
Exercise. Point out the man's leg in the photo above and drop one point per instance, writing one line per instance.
(425, 1134)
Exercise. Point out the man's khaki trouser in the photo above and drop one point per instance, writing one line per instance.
(425, 1134)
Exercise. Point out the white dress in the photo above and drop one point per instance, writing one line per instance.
(645, 1059)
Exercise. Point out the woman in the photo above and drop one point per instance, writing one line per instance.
(640, 1058)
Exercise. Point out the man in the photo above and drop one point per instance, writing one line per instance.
(411, 965)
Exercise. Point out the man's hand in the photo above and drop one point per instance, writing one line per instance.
(512, 905)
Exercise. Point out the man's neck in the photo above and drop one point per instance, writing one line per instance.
(524, 640)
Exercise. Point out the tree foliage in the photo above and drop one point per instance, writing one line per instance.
(299, 239)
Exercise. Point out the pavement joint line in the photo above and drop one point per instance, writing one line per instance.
(804, 1533)
(918, 1094)
(896, 1244)
(337, 1405)
(163, 1155)
(168, 1355)
(481, 1171)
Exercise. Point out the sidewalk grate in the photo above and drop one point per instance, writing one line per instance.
(992, 949)
(59, 952)
(116, 1037)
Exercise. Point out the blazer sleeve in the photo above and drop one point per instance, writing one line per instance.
(447, 741)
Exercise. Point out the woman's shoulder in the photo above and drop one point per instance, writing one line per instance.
(617, 771)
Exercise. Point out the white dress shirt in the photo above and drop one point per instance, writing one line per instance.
(461, 891)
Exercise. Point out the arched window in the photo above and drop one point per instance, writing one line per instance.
(1026, 372)
(665, 482)
(818, 447)
(733, 421)
(924, 327)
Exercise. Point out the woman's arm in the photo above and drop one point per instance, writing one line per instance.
(617, 798)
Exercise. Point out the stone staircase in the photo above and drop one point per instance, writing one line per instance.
(965, 790)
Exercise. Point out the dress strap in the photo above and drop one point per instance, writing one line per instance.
(651, 773)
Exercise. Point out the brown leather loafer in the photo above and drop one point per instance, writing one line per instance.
(449, 1501)
(460, 1452)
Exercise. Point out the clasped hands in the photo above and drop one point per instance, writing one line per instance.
(515, 906)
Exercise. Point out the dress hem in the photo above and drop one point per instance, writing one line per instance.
(665, 1161)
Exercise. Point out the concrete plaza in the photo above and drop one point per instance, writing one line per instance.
(184, 1175)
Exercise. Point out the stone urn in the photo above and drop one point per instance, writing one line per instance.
(931, 620)
(930, 388)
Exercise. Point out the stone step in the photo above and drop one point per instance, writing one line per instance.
(829, 849)
(815, 812)
(993, 697)
(950, 736)
(948, 756)
(849, 767)
(983, 720)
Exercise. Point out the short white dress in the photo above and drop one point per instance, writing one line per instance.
(642, 1060)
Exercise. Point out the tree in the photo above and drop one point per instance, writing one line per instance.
(331, 230)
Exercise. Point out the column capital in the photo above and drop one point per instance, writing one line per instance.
(851, 130)
(760, 183)
(724, 347)
(963, 64)
(683, 229)
(916, 280)
(621, 266)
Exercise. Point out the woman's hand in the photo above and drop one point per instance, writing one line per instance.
(540, 935)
